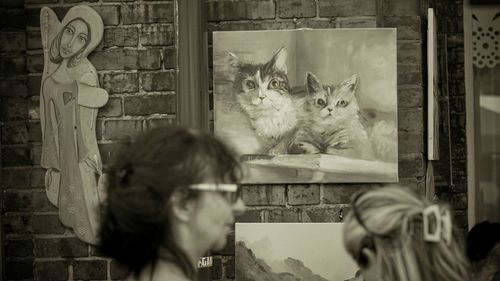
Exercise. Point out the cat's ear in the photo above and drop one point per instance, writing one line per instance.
(279, 59)
(312, 83)
(351, 83)
(234, 60)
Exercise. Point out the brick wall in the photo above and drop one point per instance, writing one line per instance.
(329, 202)
(137, 64)
(451, 169)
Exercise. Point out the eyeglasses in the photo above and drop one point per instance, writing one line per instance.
(231, 192)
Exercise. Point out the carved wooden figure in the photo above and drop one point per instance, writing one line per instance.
(69, 100)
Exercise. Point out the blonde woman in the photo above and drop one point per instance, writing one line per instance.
(395, 235)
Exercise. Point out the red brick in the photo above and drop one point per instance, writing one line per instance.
(13, 109)
(341, 193)
(37, 178)
(331, 214)
(16, 224)
(249, 216)
(19, 270)
(296, 8)
(151, 104)
(34, 108)
(52, 270)
(15, 178)
(303, 194)
(418, 185)
(36, 153)
(411, 166)
(157, 35)
(159, 122)
(108, 151)
(19, 248)
(357, 22)
(458, 201)
(158, 81)
(409, 75)
(121, 37)
(79, 1)
(346, 8)
(117, 270)
(13, 87)
(90, 270)
(15, 156)
(402, 7)
(40, 203)
(34, 85)
(122, 129)
(240, 9)
(110, 14)
(408, 26)
(34, 132)
(47, 224)
(411, 120)
(12, 41)
(315, 23)
(13, 3)
(169, 58)
(409, 53)
(122, 59)
(14, 133)
(230, 268)
(216, 268)
(147, 13)
(13, 18)
(255, 195)
(112, 109)
(17, 201)
(410, 96)
(60, 247)
(120, 82)
(410, 142)
(40, 1)
(33, 40)
(282, 215)
(34, 63)
(12, 65)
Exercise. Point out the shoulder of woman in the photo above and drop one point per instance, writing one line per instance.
(85, 72)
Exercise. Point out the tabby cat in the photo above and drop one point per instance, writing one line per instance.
(262, 91)
(331, 122)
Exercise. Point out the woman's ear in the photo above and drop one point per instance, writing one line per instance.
(182, 206)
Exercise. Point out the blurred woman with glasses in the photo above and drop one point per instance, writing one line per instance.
(172, 196)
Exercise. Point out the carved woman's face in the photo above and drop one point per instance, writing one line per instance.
(74, 38)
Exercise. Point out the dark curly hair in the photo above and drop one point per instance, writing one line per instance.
(134, 222)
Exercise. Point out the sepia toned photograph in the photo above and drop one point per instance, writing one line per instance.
(292, 251)
(309, 105)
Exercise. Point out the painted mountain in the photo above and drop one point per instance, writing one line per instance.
(251, 268)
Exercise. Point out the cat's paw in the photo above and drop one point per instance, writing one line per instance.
(339, 139)
(303, 148)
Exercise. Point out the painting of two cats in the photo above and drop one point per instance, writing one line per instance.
(304, 106)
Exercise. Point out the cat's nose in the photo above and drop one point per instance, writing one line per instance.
(262, 98)
(330, 109)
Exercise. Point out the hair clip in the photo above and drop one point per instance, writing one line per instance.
(443, 224)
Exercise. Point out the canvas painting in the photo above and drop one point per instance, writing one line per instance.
(292, 251)
(305, 106)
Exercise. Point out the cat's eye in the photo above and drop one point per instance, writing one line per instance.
(342, 103)
(321, 102)
(250, 84)
(274, 84)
